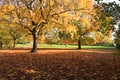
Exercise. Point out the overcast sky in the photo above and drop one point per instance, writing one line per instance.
(111, 1)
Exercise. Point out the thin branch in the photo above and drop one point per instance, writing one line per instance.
(24, 26)
(56, 22)
(87, 31)
(49, 11)
(29, 5)
(67, 11)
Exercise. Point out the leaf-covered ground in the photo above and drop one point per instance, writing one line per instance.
(59, 65)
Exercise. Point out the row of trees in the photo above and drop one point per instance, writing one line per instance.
(75, 18)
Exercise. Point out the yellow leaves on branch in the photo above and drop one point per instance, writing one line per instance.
(86, 4)
(108, 19)
(85, 23)
(7, 8)
(71, 28)
(98, 37)
(66, 8)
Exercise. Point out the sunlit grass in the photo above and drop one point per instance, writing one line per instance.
(63, 46)
(98, 47)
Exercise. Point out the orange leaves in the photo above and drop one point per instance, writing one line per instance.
(51, 11)
(84, 4)
(71, 29)
(37, 15)
(90, 4)
(6, 8)
(29, 71)
(59, 64)
(85, 22)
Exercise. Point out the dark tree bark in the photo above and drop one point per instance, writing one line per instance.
(14, 43)
(35, 38)
(1, 45)
(79, 44)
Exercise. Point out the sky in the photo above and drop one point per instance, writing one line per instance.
(117, 1)
(111, 1)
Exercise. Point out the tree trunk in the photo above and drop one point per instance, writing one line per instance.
(79, 44)
(34, 48)
(1, 45)
(14, 43)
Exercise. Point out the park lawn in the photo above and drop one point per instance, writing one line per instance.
(63, 46)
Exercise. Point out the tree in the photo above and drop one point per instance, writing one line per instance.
(8, 23)
(37, 15)
(112, 10)
(81, 22)
(1, 38)
(103, 21)
(15, 34)
(117, 39)
(5, 39)
(83, 25)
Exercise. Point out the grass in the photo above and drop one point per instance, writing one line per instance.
(98, 47)
(62, 46)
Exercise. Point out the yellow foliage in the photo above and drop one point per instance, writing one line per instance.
(70, 28)
(55, 13)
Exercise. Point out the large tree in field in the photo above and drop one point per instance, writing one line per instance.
(83, 27)
(80, 23)
(37, 15)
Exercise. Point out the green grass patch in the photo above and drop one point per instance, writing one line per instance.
(23, 45)
(56, 46)
(63, 46)
(98, 47)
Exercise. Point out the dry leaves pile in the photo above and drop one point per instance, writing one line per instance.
(59, 65)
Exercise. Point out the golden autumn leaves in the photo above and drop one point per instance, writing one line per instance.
(59, 64)
(38, 16)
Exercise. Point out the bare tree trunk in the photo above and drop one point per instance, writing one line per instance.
(1, 45)
(14, 43)
(79, 44)
(34, 48)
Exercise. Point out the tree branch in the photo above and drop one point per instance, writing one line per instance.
(67, 11)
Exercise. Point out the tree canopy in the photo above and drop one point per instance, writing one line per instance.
(75, 18)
